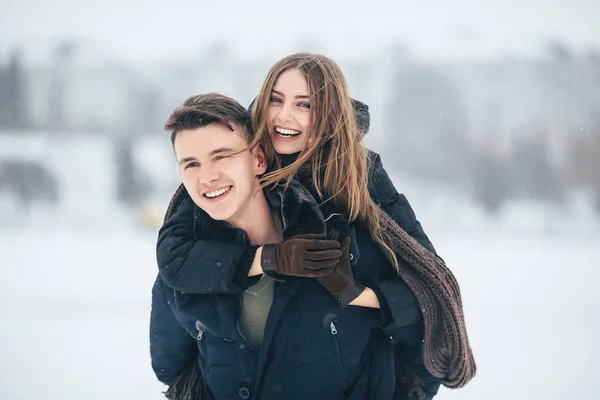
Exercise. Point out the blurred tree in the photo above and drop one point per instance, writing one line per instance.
(595, 167)
(132, 185)
(491, 182)
(147, 119)
(63, 54)
(532, 174)
(399, 53)
(560, 52)
(585, 163)
(12, 102)
(28, 182)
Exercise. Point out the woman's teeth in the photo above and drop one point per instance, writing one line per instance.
(217, 193)
(287, 132)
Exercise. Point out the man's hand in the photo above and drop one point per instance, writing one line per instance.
(340, 283)
(308, 256)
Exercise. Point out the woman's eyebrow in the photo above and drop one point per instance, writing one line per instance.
(302, 96)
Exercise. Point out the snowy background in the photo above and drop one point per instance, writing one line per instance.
(485, 112)
(75, 309)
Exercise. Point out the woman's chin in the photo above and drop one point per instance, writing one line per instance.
(285, 152)
(288, 148)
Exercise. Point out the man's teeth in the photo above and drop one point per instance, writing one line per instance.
(287, 132)
(216, 193)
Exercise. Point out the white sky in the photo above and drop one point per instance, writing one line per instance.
(145, 30)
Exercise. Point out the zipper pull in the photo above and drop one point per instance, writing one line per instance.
(333, 328)
(200, 332)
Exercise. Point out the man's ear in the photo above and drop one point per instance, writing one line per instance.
(260, 160)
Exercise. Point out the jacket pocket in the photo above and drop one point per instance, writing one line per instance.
(337, 349)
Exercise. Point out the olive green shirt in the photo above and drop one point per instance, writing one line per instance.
(256, 304)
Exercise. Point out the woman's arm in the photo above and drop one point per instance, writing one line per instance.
(367, 298)
(403, 321)
(395, 204)
(202, 266)
(412, 356)
(219, 266)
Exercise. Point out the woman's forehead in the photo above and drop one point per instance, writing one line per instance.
(292, 82)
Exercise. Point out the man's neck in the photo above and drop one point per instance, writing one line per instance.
(259, 221)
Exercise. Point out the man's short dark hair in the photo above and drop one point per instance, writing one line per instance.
(205, 109)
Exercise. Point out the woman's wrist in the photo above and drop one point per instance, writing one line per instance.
(256, 268)
(367, 298)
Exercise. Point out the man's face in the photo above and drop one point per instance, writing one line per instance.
(221, 184)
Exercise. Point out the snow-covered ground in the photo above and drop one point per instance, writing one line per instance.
(75, 308)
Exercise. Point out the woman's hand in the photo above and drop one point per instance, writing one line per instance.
(340, 283)
(308, 256)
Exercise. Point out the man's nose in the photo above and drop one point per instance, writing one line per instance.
(208, 175)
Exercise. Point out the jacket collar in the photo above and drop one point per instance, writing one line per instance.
(298, 212)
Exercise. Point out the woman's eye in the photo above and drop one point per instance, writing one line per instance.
(274, 99)
(304, 104)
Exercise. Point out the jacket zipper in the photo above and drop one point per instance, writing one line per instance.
(245, 339)
(200, 337)
(333, 329)
(334, 333)
(200, 331)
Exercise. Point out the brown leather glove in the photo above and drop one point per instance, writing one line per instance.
(307, 256)
(340, 283)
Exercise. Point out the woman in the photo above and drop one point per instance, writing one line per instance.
(305, 113)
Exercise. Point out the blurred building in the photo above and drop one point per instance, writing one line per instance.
(497, 129)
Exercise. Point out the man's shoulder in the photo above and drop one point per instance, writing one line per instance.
(207, 228)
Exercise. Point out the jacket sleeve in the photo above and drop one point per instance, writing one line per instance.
(414, 357)
(200, 266)
(400, 310)
(403, 321)
(172, 349)
(394, 204)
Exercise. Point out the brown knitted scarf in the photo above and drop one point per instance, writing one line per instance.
(446, 351)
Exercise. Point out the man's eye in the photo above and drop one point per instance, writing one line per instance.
(191, 165)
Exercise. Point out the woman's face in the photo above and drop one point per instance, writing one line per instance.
(288, 112)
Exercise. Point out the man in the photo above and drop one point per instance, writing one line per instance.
(223, 326)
